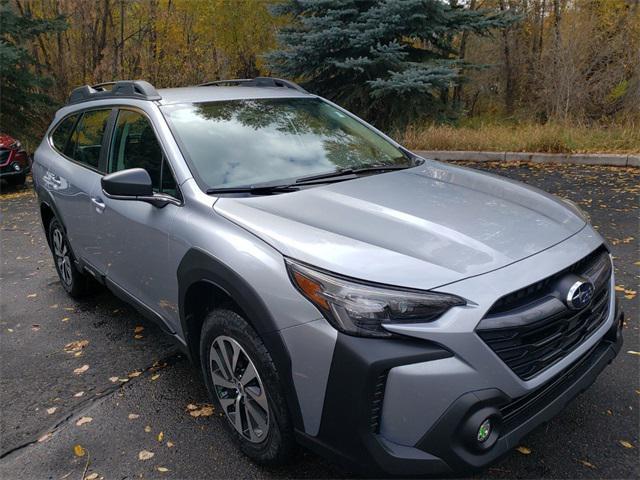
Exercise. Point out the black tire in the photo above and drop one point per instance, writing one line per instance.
(17, 180)
(278, 445)
(76, 283)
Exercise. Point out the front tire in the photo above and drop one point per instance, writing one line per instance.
(243, 383)
(73, 281)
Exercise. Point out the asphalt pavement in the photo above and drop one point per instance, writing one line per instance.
(90, 389)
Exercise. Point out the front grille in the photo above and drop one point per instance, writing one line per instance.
(531, 329)
(4, 155)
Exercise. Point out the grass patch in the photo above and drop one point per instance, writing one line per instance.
(525, 137)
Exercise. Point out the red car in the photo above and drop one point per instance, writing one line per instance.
(14, 160)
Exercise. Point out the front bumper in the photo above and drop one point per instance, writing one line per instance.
(350, 430)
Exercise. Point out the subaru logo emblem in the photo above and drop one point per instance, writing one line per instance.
(580, 294)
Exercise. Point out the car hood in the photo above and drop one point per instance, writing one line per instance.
(422, 227)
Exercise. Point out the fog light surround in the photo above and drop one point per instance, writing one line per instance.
(16, 167)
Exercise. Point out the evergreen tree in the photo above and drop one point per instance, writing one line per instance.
(22, 101)
(391, 61)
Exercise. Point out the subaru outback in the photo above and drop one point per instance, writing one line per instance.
(399, 315)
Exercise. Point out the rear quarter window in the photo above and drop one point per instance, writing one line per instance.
(85, 143)
(61, 133)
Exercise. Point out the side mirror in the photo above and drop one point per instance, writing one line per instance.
(134, 184)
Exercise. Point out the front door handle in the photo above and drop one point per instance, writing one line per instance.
(98, 204)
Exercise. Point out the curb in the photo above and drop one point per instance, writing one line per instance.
(609, 159)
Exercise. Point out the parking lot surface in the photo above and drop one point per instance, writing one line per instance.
(91, 387)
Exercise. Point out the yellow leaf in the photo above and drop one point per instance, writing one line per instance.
(45, 437)
(524, 450)
(147, 429)
(83, 420)
(191, 406)
(91, 476)
(138, 337)
(65, 319)
(169, 444)
(626, 444)
(32, 295)
(138, 329)
(79, 394)
(633, 352)
(163, 469)
(619, 288)
(155, 377)
(113, 379)
(79, 451)
(51, 410)
(133, 416)
(81, 369)
(135, 374)
(160, 436)
(145, 455)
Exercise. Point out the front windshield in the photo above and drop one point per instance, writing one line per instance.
(246, 142)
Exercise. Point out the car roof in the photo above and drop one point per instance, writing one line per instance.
(218, 93)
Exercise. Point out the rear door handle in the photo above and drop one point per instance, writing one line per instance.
(98, 204)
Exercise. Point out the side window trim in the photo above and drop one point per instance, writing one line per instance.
(165, 157)
(53, 130)
(80, 114)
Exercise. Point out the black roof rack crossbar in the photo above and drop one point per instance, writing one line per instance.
(256, 82)
(138, 89)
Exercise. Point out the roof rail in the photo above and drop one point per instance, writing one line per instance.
(138, 89)
(257, 82)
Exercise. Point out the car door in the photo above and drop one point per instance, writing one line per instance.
(134, 235)
(75, 174)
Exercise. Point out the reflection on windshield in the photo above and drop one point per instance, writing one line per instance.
(244, 142)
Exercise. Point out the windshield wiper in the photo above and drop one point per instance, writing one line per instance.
(350, 171)
(257, 189)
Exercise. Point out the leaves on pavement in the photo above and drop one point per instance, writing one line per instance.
(79, 450)
(84, 420)
(145, 455)
(523, 450)
(81, 369)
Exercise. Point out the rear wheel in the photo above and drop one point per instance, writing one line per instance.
(73, 281)
(243, 382)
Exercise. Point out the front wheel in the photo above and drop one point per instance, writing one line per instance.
(243, 382)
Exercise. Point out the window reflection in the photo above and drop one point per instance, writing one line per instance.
(244, 142)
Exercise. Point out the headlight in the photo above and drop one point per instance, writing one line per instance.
(16, 145)
(573, 206)
(360, 309)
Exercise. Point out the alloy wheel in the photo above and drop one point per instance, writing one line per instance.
(239, 389)
(62, 257)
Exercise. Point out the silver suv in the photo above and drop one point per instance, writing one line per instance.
(397, 314)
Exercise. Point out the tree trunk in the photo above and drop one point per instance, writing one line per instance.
(509, 90)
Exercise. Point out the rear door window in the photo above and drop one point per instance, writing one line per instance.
(85, 144)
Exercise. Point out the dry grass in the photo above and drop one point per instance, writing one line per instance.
(526, 137)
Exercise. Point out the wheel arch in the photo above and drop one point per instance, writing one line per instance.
(205, 282)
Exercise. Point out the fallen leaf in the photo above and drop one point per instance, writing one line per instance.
(45, 437)
(79, 394)
(160, 436)
(147, 429)
(626, 444)
(524, 450)
(155, 377)
(32, 295)
(191, 406)
(65, 319)
(204, 411)
(145, 455)
(133, 416)
(138, 337)
(79, 451)
(633, 352)
(75, 346)
(169, 444)
(91, 476)
(83, 420)
(619, 288)
(587, 464)
(81, 369)
(35, 327)
(135, 374)
(51, 410)
(163, 469)
(10, 330)
(138, 329)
